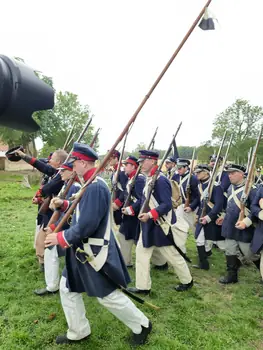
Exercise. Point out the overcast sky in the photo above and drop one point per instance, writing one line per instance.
(110, 52)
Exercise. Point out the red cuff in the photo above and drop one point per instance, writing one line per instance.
(65, 206)
(155, 214)
(32, 161)
(131, 209)
(52, 226)
(118, 202)
(61, 240)
(39, 200)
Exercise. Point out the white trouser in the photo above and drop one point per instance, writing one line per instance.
(157, 257)
(188, 217)
(209, 245)
(200, 240)
(233, 247)
(116, 302)
(143, 257)
(51, 261)
(36, 233)
(126, 248)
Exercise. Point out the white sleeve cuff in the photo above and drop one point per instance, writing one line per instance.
(208, 219)
(260, 215)
(247, 221)
(128, 211)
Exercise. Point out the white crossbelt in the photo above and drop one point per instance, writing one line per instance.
(99, 260)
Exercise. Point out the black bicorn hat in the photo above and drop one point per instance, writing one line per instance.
(202, 167)
(170, 160)
(182, 162)
(11, 154)
(213, 157)
(235, 167)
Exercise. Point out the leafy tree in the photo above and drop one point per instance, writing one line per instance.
(67, 112)
(243, 121)
(204, 151)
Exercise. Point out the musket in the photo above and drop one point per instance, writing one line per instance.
(249, 179)
(154, 178)
(209, 189)
(94, 139)
(145, 207)
(83, 257)
(45, 205)
(132, 119)
(224, 160)
(249, 157)
(116, 175)
(152, 143)
(69, 136)
(71, 139)
(132, 184)
(188, 187)
(134, 116)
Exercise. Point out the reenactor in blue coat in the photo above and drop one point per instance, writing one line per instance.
(188, 207)
(51, 188)
(98, 275)
(238, 234)
(154, 231)
(52, 254)
(121, 185)
(206, 228)
(257, 211)
(224, 181)
(170, 164)
(130, 226)
(258, 178)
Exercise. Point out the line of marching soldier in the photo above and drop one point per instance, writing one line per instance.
(159, 232)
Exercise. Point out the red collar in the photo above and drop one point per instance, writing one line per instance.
(88, 174)
(153, 171)
(116, 166)
(132, 174)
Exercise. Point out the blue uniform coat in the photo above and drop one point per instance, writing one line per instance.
(211, 229)
(152, 234)
(194, 197)
(257, 241)
(232, 214)
(224, 183)
(74, 188)
(94, 209)
(130, 226)
(122, 181)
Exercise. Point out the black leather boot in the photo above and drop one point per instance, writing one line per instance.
(161, 267)
(140, 339)
(63, 339)
(139, 291)
(232, 267)
(203, 262)
(184, 287)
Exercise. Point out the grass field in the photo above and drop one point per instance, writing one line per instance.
(210, 316)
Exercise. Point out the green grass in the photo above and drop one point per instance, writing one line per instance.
(210, 316)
